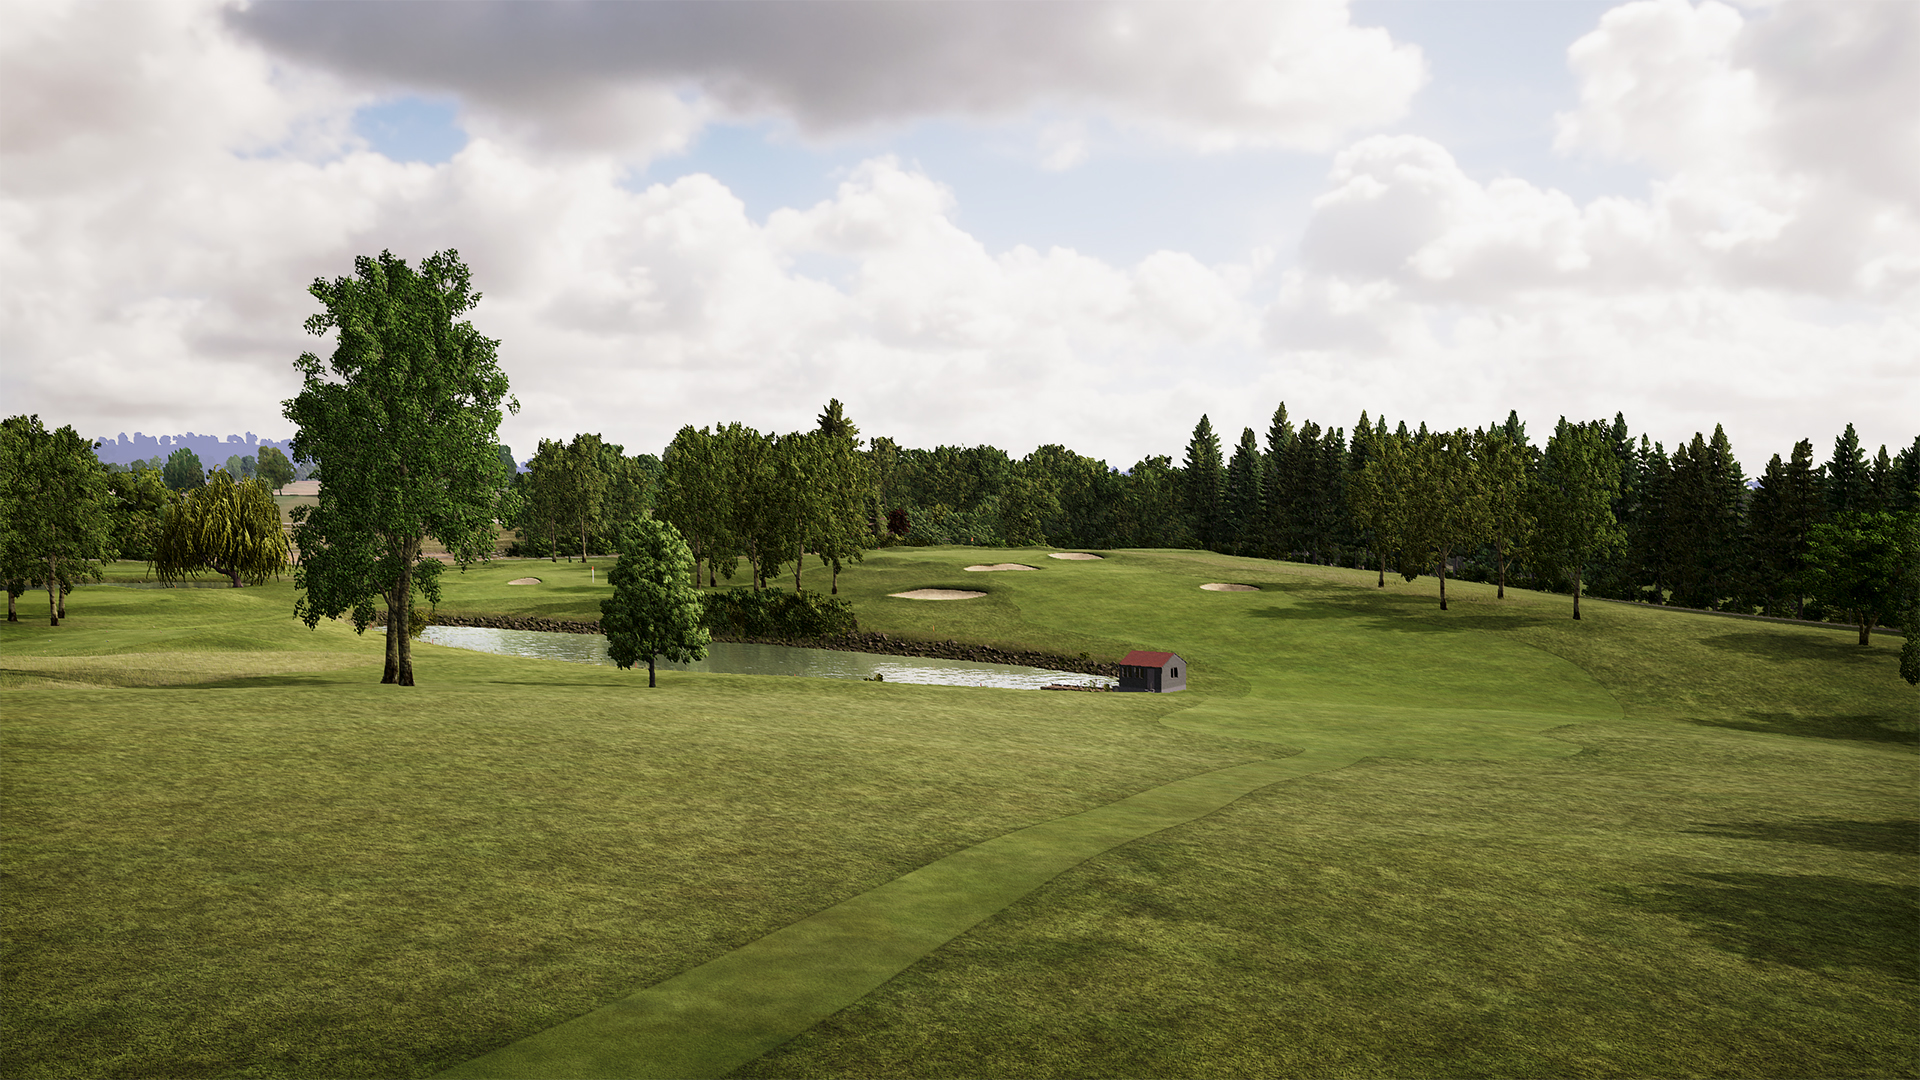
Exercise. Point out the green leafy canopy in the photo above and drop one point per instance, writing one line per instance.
(653, 611)
(400, 424)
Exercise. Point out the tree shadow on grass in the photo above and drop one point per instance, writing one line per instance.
(1861, 727)
(1808, 921)
(1900, 836)
(291, 678)
(1838, 646)
(1404, 614)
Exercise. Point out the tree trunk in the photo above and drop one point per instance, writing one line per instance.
(12, 615)
(836, 577)
(1443, 581)
(405, 676)
(1383, 567)
(396, 624)
(650, 683)
(1576, 591)
(1500, 593)
(53, 587)
(799, 562)
(1866, 628)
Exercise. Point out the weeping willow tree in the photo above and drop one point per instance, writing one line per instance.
(230, 528)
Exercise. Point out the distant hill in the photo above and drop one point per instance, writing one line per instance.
(213, 450)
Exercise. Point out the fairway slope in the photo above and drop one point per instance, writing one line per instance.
(1642, 844)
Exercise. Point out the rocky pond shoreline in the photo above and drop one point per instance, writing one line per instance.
(859, 641)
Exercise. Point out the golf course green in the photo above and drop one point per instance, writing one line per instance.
(1372, 839)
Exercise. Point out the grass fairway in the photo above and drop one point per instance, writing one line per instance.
(1644, 844)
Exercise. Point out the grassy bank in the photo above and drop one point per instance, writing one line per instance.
(1645, 844)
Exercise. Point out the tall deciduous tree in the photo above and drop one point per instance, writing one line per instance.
(543, 508)
(760, 518)
(1858, 564)
(631, 490)
(55, 521)
(1579, 477)
(584, 487)
(227, 526)
(141, 500)
(845, 484)
(653, 612)
(273, 467)
(696, 497)
(401, 426)
(1150, 513)
(183, 471)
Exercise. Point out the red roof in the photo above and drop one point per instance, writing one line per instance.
(1147, 659)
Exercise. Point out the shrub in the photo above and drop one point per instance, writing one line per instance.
(765, 613)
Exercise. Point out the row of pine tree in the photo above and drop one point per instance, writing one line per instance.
(1698, 531)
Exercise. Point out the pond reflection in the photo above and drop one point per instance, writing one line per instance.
(737, 658)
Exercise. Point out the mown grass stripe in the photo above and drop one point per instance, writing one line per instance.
(714, 1018)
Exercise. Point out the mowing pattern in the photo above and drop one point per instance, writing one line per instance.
(1647, 844)
(723, 1014)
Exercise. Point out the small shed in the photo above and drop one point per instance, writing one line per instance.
(1153, 672)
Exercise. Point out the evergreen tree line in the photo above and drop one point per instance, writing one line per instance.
(1692, 529)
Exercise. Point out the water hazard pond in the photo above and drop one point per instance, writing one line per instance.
(736, 658)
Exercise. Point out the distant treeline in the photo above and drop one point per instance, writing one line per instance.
(1695, 528)
(213, 449)
(1686, 526)
(235, 454)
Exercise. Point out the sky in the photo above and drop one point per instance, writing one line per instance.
(1084, 223)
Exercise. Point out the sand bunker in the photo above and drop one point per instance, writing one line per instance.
(938, 594)
(1002, 566)
(1225, 586)
(1073, 555)
(524, 581)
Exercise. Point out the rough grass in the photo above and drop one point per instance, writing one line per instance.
(1646, 844)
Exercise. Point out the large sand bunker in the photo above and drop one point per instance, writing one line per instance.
(1227, 586)
(524, 581)
(1073, 555)
(938, 594)
(1001, 566)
